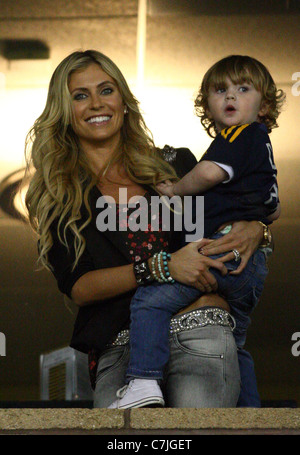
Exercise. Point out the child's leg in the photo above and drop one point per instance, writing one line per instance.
(242, 293)
(151, 310)
(249, 396)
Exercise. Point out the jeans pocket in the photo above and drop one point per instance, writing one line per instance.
(207, 341)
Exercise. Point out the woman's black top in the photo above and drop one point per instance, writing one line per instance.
(98, 324)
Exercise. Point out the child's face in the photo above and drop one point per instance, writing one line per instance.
(235, 104)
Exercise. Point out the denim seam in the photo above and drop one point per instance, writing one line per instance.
(150, 374)
(250, 273)
(241, 297)
(115, 365)
(224, 366)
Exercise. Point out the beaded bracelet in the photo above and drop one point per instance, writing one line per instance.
(166, 257)
(153, 267)
(162, 261)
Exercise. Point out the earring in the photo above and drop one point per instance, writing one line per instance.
(125, 110)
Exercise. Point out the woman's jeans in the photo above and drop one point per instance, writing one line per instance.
(202, 370)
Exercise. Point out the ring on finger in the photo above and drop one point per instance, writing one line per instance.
(237, 255)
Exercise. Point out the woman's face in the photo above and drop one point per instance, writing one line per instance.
(98, 108)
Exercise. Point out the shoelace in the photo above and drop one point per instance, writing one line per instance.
(121, 392)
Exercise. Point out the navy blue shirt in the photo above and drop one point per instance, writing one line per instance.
(252, 191)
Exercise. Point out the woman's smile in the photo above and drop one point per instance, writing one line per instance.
(99, 120)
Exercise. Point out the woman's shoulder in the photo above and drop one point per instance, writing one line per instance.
(181, 158)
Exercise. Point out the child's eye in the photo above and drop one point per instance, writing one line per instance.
(220, 90)
(244, 89)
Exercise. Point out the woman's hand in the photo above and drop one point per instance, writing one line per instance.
(245, 237)
(190, 267)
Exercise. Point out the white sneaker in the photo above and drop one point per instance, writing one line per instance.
(137, 394)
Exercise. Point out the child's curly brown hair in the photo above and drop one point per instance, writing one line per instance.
(240, 69)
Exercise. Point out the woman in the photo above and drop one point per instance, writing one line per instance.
(90, 142)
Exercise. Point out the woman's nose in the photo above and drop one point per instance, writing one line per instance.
(96, 102)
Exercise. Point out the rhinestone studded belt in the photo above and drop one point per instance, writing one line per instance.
(121, 339)
(200, 318)
(187, 321)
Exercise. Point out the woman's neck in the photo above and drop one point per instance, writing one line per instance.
(98, 159)
(99, 154)
(115, 179)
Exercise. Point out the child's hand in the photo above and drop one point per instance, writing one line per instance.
(166, 188)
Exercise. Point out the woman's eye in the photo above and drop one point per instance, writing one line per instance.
(107, 91)
(79, 96)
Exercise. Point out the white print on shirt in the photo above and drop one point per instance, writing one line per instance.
(274, 187)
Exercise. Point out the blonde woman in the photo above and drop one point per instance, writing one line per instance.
(88, 146)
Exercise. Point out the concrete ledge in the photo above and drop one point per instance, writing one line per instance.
(66, 419)
(143, 421)
(215, 418)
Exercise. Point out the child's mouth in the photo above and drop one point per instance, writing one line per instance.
(230, 109)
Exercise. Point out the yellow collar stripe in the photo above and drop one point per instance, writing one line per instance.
(238, 131)
(227, 131)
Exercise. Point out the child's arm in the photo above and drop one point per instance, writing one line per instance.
(203, 176)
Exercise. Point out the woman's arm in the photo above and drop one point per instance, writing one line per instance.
(103, 284)
(187, 266)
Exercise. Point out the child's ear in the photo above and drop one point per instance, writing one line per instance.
(264, 107)
(208, 114)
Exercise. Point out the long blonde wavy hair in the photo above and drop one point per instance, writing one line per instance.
(57, 169)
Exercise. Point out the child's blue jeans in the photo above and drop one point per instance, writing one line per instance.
(153, 306)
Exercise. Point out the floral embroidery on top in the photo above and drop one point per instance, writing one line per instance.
(142, 244)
